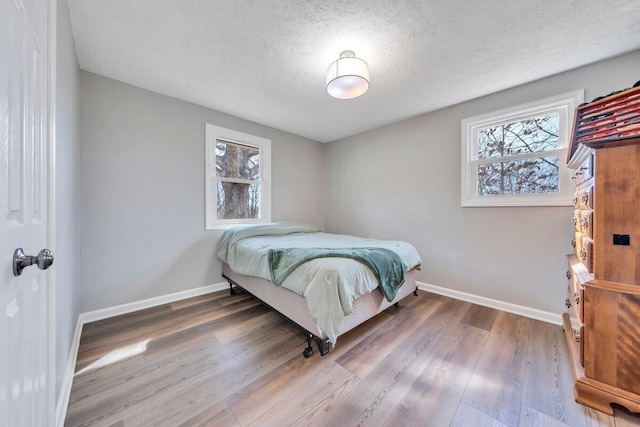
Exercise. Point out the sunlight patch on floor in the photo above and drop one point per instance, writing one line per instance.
(116, 356)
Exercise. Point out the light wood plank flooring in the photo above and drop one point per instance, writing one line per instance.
(222, 360)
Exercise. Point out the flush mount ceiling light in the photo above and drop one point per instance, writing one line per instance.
(348, 77)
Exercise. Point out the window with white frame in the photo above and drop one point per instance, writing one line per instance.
(517, 156)
(238, 176)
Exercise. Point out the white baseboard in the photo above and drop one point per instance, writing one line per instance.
(521, 310)
(105, 313)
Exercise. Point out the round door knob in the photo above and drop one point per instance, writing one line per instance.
(43, 260)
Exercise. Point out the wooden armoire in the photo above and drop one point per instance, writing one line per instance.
(602, 322)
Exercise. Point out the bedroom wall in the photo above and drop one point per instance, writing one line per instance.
(404, 183)
(143, 191)
(67, 195)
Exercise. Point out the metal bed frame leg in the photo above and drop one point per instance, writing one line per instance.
(323, 345)
(309, 350)
(231, 290)
(415, 292)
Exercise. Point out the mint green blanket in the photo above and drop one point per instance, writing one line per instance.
(385, 264)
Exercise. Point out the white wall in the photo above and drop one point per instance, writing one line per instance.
(143, 191)
(142, 221)
(67, 202)
(402, 181)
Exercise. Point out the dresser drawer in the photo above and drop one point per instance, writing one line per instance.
(583, 222)
(583, 249)
(578, 277)
(584, 198)
(574, 331)
(584, 172)
(578, 339)
(575, 296)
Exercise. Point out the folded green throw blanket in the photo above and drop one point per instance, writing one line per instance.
(385, 264)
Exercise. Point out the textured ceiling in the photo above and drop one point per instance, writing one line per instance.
(265, 61)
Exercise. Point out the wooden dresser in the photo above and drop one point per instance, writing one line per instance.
(602, 322)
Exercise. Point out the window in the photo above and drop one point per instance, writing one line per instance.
(517, 156)
(238, 176)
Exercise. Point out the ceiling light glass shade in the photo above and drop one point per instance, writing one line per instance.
(348, 77)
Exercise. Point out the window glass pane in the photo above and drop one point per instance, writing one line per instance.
(237, 161)
(525, 136)
(238, 201)
(526, 176)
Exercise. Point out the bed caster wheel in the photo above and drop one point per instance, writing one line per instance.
(307, 352)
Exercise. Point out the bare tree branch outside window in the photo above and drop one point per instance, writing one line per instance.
(518, 148)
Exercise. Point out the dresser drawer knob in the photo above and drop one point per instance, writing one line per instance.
(568, 274)
(576, 298)
(583, 254)
(567, 302)
(576, 336)
(574, 220)
(575, 202)
(585, 198)
(584, 222)
(573, 243)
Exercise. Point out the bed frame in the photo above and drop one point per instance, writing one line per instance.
(295, 309)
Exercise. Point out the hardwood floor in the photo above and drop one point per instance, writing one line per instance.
(222, 360)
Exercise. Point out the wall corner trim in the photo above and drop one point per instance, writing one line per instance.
(533, 313)
(105, 313)
(67, 380)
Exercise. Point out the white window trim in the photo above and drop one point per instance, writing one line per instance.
(212, 133)
(565, 106)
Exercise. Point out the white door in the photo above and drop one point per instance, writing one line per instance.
(25, 398)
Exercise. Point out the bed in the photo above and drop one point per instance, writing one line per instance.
(326, 284)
